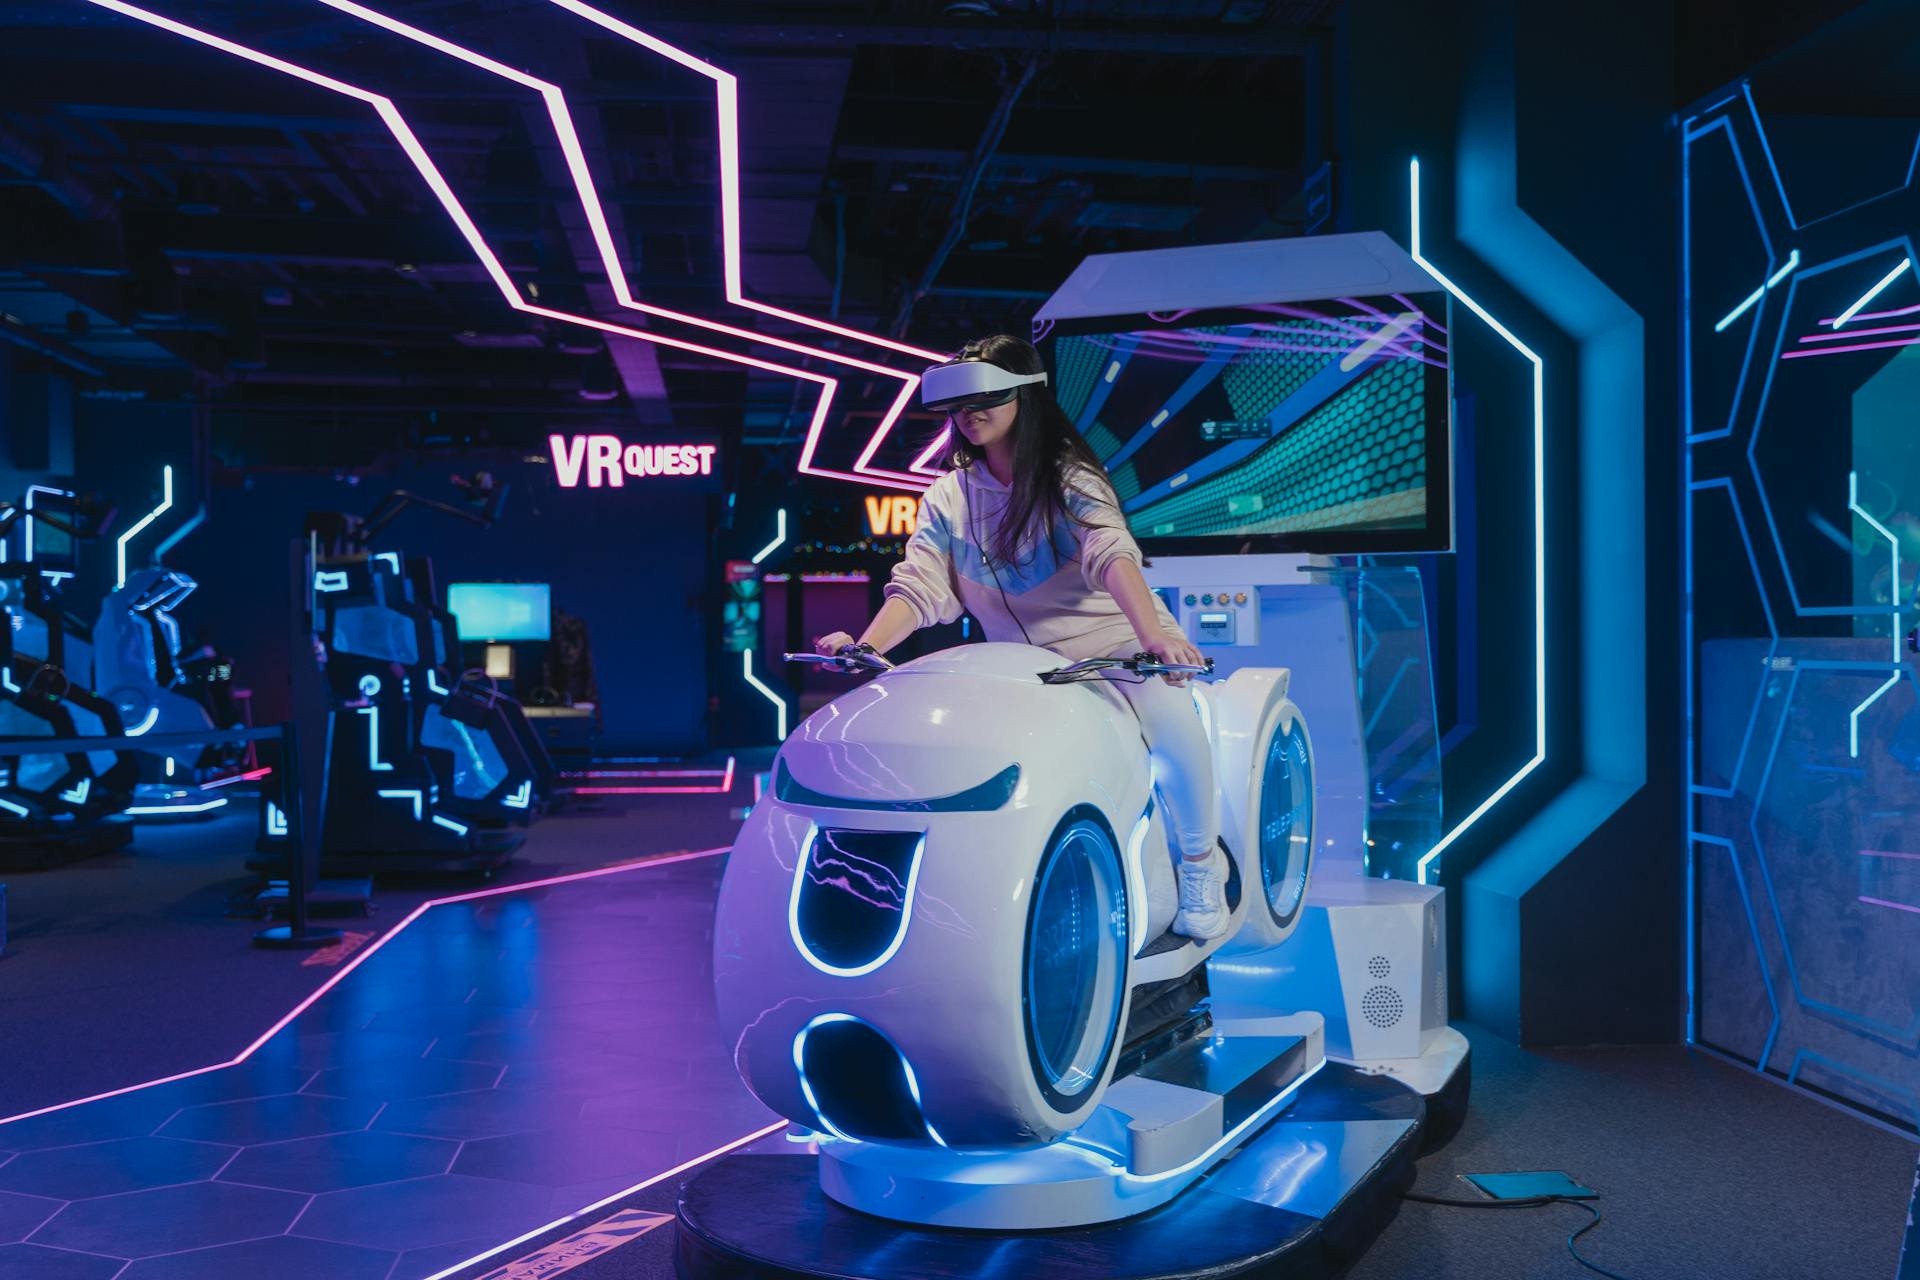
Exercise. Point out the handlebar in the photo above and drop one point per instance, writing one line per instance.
(1145, 664)
(850, 660)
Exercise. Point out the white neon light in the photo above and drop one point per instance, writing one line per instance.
(1853, 505)
(780, 536)
(1872, 293)
(276, 819)
(392, 558)
(799, 1066)
(1136, 880)
(433, 682)
(369, 685)
(169, 766)
(31, 490)
(166, 504)
(779, 704)
(218, 802)
(1227, 1139)
(374, 762)
(18, 811)
(899, 933)
(77, 794)
(153, 718)
(330, 580)
(415, 796)
(1539, 536)
(1113, 371)
(1786, 269)
(6, 678)
(522, 798)
(458, 828)
(1372, 346)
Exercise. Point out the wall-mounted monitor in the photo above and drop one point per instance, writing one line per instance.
(1271, 397)
(1309, 426)
(501, 610)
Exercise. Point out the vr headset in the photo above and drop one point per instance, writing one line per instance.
(971, 384)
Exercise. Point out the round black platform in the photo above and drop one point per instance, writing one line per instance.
(1344, 1152)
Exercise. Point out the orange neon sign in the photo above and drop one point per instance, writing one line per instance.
(892, 515)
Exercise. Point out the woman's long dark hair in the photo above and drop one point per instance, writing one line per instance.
(1046, 446)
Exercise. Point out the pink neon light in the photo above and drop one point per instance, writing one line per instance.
(647, 773)
(759, 786)
(1857, 346)
(1888, 853)
(605, 460)
(360, 959)
(649, 791)
(726, 89)
(1897, 906)
(249, 776)
(443, 192)
(1877, 315)
(1860, 333)
(604, 1201)
(925, 461)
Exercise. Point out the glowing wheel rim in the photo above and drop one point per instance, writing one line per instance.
(1286, 820)
(1074, 967)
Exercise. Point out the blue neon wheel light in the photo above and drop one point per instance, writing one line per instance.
(1075, 959)
(1286, 821)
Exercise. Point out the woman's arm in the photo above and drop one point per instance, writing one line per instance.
(894, 623)
(1128, 587)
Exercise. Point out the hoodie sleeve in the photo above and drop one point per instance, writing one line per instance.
(1104, 538)
(924, 575)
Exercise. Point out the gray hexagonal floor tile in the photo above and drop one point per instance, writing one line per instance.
(392, 1080)
(428, 1211)
(275, 1258)
(132, 1115)
(338, 1161)
(33, 1262)
(109, 1168)
(564, 1156)
(275, 1119)
(21, 1215)
(487, 1113)
(198, 1215)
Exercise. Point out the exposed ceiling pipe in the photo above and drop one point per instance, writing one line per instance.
(1010, 90)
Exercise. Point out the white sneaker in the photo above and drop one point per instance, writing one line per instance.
(1203, 911)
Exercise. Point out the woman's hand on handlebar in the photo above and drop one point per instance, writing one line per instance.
(1172, 647)
(831, 643)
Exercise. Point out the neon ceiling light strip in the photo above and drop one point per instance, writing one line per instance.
(582, 176)
(1882, 315)
(423, 163)
(120, 544)
(1539, 535)
(1804, 352)
(1853, 505)
(780, 536)
(1906, 264)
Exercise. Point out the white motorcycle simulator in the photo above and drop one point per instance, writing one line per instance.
(941, 944)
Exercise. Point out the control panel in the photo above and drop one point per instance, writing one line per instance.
(1219, 615)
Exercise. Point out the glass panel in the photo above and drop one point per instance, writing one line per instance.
(1073, 993)
(372, 631)
(477, 764)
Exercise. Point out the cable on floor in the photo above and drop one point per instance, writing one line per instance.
(1530, 1203)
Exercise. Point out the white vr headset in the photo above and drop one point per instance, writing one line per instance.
(971, 384)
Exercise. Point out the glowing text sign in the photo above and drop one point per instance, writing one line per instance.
(892, 515)
(602, 461)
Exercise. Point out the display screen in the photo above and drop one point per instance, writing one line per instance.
(500, 610)
(1309, 426)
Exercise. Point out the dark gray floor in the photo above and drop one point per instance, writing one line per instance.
(125, 968)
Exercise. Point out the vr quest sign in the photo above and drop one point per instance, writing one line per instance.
(602, 461)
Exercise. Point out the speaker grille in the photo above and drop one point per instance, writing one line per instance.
(1379, 968)
(1382, 1006)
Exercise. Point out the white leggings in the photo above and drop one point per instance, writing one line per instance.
(1182, 761)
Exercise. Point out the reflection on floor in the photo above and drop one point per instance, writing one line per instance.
(499, 1063)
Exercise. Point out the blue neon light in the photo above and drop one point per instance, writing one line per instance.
(6, 678)
(330, 580)
(18, 811)
(153, 718)
(369, 685)
(374, 762)
(1853, 505)
(77, 794)
(800, 1069)
(1786, 269)
(144, 810)
(419, 800)
(276, 819)
(521, 798)
(1871, 294)
(458, 828)
(392, 558)
(1539, 536)
(166, 504)
(31, 490)
(780, 536)
(900, 931)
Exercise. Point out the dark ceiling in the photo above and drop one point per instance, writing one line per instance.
(178, 223)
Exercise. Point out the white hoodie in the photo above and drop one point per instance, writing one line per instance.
(1053, 595)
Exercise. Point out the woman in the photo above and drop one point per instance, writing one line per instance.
(1025, 533)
